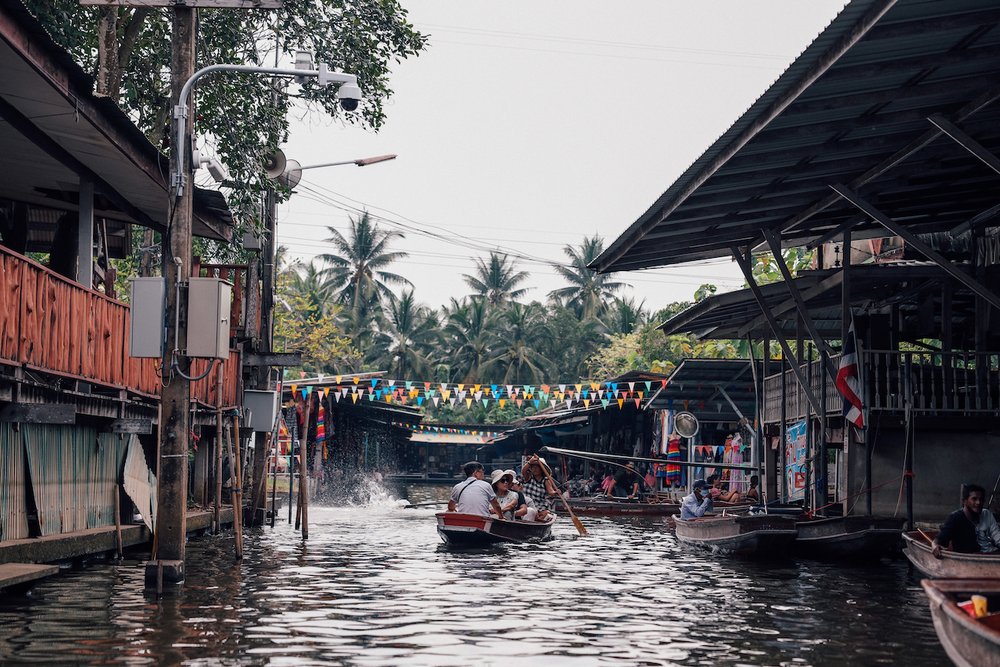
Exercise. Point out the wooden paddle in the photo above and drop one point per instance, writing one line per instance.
(926, 536)
(576, 520)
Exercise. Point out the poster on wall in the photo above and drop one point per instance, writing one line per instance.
(795, 460)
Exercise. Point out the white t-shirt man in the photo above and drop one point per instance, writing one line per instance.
(473, 496)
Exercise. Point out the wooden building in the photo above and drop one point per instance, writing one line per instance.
(886, 127)
(75, 176)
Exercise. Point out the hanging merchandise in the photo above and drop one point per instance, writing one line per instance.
(673, 473)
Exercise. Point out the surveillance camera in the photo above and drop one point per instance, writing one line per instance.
(217, 170)
(350, 96)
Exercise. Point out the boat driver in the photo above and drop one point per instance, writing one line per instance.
(696, 503)
(970, 529)
(474, 495)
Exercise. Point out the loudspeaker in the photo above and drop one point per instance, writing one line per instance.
(274, 164)
(292, 174)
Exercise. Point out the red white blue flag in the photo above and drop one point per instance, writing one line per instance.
(849, 381)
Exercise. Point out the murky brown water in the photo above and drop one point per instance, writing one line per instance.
(374, 586)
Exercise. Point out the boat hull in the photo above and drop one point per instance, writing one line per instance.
(595, 507)
(472, 530)
(951, 565)
(762, 536)
(848, 537)
(968, 641)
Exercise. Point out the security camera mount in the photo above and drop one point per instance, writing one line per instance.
(349, 94)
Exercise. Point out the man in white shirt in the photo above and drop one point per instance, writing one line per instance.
(697, 502)
(474, 495)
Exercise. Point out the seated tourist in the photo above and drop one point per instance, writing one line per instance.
(716, 492)
(474, 495)
(753, 493)
(508, 500)
(527, 510)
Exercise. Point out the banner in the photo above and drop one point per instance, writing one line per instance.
(796, 452)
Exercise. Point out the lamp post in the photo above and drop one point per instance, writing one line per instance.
(167, 563)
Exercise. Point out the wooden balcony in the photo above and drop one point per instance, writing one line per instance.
(54, 325)
(927, 382)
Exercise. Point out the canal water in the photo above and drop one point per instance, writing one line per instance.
(373, 585)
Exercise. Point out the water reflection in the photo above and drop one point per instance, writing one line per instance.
(373, 586)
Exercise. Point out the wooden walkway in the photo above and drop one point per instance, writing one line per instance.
(14, 574)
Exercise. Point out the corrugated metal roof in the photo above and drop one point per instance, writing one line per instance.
(859, 95)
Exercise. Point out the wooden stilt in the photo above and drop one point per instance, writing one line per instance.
(118, 522)
(237, 490)
(304, 475)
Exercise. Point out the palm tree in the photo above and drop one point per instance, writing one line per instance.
(359, 270)
(623, 316)
(588, 290)
(309, 288)
(498, 280)
(518, 341)
(406, 337)
(467, 337)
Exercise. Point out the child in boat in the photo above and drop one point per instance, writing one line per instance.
(715, 491)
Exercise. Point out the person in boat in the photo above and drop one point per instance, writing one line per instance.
(970, 529)
(474, 495)
(508, 499)
(539, 487)
(626, 483)
(698, 502)
(716, 492)
(753, 493)
(530, 511)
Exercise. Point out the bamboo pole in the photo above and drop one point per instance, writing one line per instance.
(237, 490)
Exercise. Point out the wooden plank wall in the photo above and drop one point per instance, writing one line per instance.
(54, 324)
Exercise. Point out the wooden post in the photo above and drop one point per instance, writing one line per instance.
(118, 521)
(219, 430)
(175, 424)
(304, 474)
(237, 489)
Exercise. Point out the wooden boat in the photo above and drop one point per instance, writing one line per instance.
(604, 506)
(848, 537)
(752, 536)
(472, 530)
(968, 641)
(951, 565)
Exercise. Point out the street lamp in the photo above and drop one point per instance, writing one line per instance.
(292, 173)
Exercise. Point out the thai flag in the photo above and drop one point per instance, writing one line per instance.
(849, 381)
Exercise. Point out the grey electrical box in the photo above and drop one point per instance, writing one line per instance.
(209, 307)
(263, 409)
(146, 332)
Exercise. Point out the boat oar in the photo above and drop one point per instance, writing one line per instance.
(926, 536)
(576, 520)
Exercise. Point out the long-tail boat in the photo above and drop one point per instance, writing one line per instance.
(968, 641)
(473, 530)
(750, 536)
(848, 537)
(951, 564)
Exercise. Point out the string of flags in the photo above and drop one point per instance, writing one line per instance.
(430, 428)
(433, 394)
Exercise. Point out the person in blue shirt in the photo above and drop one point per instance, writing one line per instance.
(697, 503)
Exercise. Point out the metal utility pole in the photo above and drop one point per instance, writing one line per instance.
(167, 564)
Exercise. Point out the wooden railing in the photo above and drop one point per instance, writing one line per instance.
(52, 324)
(928, 382)
(796, 403)
(932, 382)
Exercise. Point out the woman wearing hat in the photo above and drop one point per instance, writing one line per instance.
(538, 487)
(508, 500)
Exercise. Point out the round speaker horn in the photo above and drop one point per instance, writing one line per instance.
(686, 424)
(274, 164)
(292, 174)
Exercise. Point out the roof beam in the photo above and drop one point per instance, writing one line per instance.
(825, 285)
(976, 220)
(776, 330)
(899, 230)
(970, 109)
(965, 141)
(833, 233)
(775, 245)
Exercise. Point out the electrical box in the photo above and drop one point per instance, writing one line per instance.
(146, 332)
(209, 311)
(263, 409)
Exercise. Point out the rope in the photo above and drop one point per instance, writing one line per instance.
(863, 491)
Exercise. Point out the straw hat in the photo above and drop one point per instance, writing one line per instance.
(497, 475)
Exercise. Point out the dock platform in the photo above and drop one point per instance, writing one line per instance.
(19, 574)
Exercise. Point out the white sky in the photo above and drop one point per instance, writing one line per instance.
(526, 126)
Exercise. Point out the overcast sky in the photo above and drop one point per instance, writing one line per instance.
(526, 126)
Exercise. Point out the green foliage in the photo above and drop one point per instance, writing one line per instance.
(764, 269)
